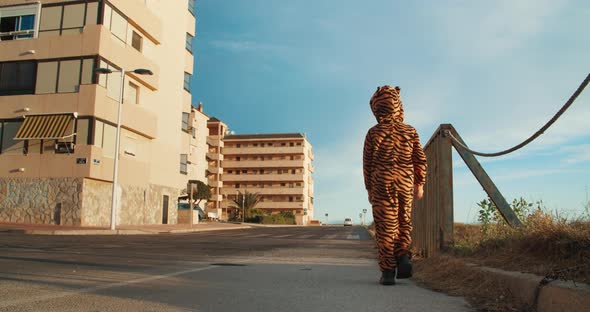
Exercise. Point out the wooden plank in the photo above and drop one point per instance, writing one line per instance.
(487, 183)
(445, 177)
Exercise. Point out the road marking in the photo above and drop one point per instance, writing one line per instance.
(355, 237)
(256, 236)
(97, 288)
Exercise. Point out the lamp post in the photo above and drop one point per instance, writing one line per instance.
(364, 212)
(106, 71)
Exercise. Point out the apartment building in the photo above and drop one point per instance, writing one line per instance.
(59, 115)
(276, 166)
(217, 130)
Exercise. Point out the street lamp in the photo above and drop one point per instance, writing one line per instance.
(364, 212)
(106, 71)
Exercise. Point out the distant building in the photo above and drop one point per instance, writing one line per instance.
(277, 166)
(58, 116)
(215, 157)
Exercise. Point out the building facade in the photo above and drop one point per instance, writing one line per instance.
(217, 130)
(276, 166)
(58, 115)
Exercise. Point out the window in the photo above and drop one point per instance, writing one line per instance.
(189, 43)
(244, 171)
(291, 185)
(104, 137)
(183, 163)
(136, 41)
(9, 144)
(261, 185)
(298, 143)
(283, 184)
(291, 198)
(82, 132)
(230, 171)
(292, 171)
(115, 22)
(291, 144)
(261, 171)
(17, 22)
(185, 121)
(60, 19)
(63, 76)
(112, 82)
(132, 93)
(283, 144)
(238, 145)
(255, 144)
(298, 184)
(238, 158)
(17, 78)
(69, 76)
(191, 7)
(237, 185)
(187, 82)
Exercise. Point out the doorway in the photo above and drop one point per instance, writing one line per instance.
(165, 200)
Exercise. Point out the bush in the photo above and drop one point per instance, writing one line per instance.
(284, 217)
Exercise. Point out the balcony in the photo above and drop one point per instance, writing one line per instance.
(90, 100)
(214, 141)
(213, 170)
(263, 164)
(215, 183)
(263, 177)
(214, 156)
(264, 150)
(94, 40)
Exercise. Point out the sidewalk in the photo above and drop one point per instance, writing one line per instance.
(47, 229)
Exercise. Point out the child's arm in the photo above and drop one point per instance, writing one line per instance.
(368, 161)
(419, 161)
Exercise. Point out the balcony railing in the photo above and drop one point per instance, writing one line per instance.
(264, 150)
(17, 35)
(265, 190)
(263, 164)
(263, 177)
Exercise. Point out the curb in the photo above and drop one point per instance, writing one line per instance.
(546, 296)
(118, 232)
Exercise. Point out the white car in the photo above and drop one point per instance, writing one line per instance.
(348, 222)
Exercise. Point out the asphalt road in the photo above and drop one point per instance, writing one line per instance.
(260, 269)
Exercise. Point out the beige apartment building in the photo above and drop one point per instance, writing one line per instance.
(217, 130)
(276, 166)
(59, 116)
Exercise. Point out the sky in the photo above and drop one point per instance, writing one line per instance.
(496, 70)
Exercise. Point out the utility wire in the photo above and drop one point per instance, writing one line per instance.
(534, 136)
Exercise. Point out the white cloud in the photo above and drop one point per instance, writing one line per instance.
(492, 28)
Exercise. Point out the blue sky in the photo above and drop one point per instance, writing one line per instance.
(496, 70)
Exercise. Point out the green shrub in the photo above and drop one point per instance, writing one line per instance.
(284, 217)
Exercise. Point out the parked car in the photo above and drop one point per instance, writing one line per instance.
(348, 222)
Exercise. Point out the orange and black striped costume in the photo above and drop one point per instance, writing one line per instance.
(393, 163)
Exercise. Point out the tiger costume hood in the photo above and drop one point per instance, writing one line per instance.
(386, 105)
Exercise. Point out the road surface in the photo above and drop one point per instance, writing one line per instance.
(260, 269)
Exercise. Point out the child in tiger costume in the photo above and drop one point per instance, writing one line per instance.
(394, 168)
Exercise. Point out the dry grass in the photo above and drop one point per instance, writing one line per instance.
(545, 245)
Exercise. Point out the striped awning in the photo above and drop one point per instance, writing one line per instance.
(46, 127)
